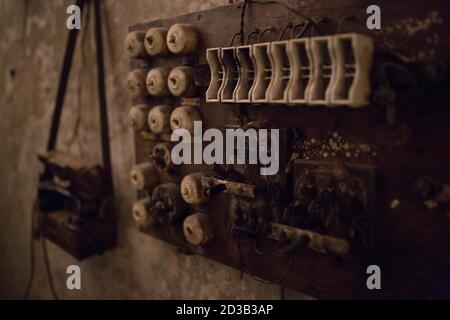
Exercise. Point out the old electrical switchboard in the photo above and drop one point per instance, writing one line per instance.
(349, 127)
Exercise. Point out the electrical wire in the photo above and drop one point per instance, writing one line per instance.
(250, 34)
(285, 5)
(341, 22)
(261, 35)
(275, 247)
(267, 2)
(47, 268)
(288, 26)
(281, 279)
(33, 257)
(304, 29)
(244, 7)
(233, 38)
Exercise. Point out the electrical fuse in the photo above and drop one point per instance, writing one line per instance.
(263, 76)
(354, 55)
(214, 90)
(278, 92)
(301, 61)
(246, 68)
(228, 58)
(319, 92)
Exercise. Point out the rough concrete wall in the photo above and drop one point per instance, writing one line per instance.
(31, 55)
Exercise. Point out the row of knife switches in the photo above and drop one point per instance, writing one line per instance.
(325, 70)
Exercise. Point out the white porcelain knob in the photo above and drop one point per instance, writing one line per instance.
(156, 81)
(134, 44)
(192, 190)
(136, 83)
(141, 212)
(144, 176)
(137, 117)
(155, 41)
(181, 81)
(159, 118)
(184, 117)
(183, 38)
(198, 228)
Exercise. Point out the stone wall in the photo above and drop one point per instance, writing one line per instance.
(31, 53)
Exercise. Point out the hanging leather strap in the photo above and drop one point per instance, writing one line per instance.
(63, 79)
(102, 100)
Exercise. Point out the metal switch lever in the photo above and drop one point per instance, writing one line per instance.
(297, 245)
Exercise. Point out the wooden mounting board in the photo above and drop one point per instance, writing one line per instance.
(414, 251)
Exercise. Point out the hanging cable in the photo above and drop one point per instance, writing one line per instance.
(277, 281)
(316, 23)
(288, 26)
(244, 7)
(285, 5)
(275, 247)
(48, 269)
(250, 35)
(267, 2)
(269, 29)
(303, 30)
(233, 38)
(295, 26)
